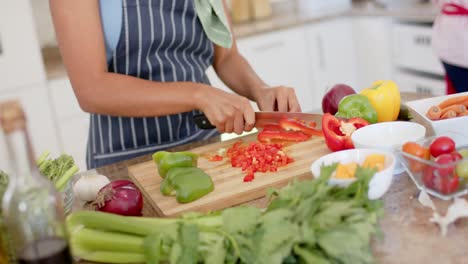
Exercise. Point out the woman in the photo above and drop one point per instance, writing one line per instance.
(450, 41)
(138, 66)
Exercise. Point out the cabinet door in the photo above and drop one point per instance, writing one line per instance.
(413, 48)
(279, 59)
(421, 84)
(20, 56)
(372, 37)
(40, 121)
(74, 136)
(72, 122)
(331, 55)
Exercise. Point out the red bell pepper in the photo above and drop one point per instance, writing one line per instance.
(294, 125)
(266, 136)
(338, 132)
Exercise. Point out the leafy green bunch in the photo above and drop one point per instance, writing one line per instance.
(59, 171)
(305, 222)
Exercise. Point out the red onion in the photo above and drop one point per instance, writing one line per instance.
(333, 97)
(120, 197)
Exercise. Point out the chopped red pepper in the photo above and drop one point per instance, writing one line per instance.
(257, 157)
(273, 127)
(216, 158)
(275, 135)
(294, 125)
(338, 132)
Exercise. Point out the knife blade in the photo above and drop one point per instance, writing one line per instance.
(264, 118)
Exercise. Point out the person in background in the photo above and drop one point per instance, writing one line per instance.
(450, 41)
(138, 66)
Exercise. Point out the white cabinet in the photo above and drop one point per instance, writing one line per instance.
(331, 56)
(372, 40)
(412, 48)
(20, 56)
(279, 59)
(420, 84)
(72, 122)
(40, 121)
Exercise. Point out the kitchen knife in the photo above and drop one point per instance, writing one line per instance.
(264, 118)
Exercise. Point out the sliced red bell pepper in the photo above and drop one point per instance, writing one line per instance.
(216, 158)
(266, 136)
(274, 127)
(294, 125)
(338, 132)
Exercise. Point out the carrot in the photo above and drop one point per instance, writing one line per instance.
(449, 114)
(434, 113)
(463, 114)
(465, 103)
(457, 108)
(453, 101)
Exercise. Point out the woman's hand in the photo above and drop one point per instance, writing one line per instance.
(279, 98)
(227, 112)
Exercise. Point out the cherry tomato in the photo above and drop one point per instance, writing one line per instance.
(445, 159)
(419, 151)
(442, 145)
(443, 180)
(456, 156)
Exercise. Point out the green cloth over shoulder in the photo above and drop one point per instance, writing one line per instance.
(214, 21)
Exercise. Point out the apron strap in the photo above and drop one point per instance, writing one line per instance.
(452, 9)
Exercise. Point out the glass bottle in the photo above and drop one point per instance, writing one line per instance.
(32, 209)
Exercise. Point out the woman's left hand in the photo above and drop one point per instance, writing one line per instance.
(278, 98)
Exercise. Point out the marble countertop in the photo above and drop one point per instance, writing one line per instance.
(285, 15)
(407, 234)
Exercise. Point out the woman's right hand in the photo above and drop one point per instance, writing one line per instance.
(227, 112)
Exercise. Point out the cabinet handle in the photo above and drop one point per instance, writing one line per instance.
(423, 40)
(321, 57)
(423, 90)
(269, 46)
(1, 47)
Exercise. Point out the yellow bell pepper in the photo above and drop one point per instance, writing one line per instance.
(385, 98)
(346, 171)
(374, 161)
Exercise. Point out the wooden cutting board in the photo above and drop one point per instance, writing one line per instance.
(229, 189)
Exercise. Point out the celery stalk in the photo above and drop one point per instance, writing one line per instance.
(111, 256)
(109, 238)
(62, 182)
(108, 241)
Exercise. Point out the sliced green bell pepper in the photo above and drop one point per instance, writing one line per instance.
(187, 184)
(168, 160)
(357, 105)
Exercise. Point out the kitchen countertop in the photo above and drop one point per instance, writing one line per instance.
(408, 235)
(285, 15)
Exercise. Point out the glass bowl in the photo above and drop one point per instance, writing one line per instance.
(439, 180)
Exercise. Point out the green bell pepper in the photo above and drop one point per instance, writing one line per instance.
(187, 184)
(168, 160)
(357, 105)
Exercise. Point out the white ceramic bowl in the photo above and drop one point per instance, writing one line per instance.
(388, 136)
(381, 181)
(458, 125)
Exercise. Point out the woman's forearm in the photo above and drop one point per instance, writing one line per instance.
(237, 74)
(121, 95)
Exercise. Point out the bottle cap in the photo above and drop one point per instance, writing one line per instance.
(12, 116)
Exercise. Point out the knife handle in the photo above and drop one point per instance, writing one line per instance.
(202, 121)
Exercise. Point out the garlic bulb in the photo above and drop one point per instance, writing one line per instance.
(88, 186)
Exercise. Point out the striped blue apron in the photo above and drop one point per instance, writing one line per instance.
(163, 41)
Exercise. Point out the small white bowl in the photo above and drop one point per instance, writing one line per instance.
(388, 136)
(380, 182)
(458, 125)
